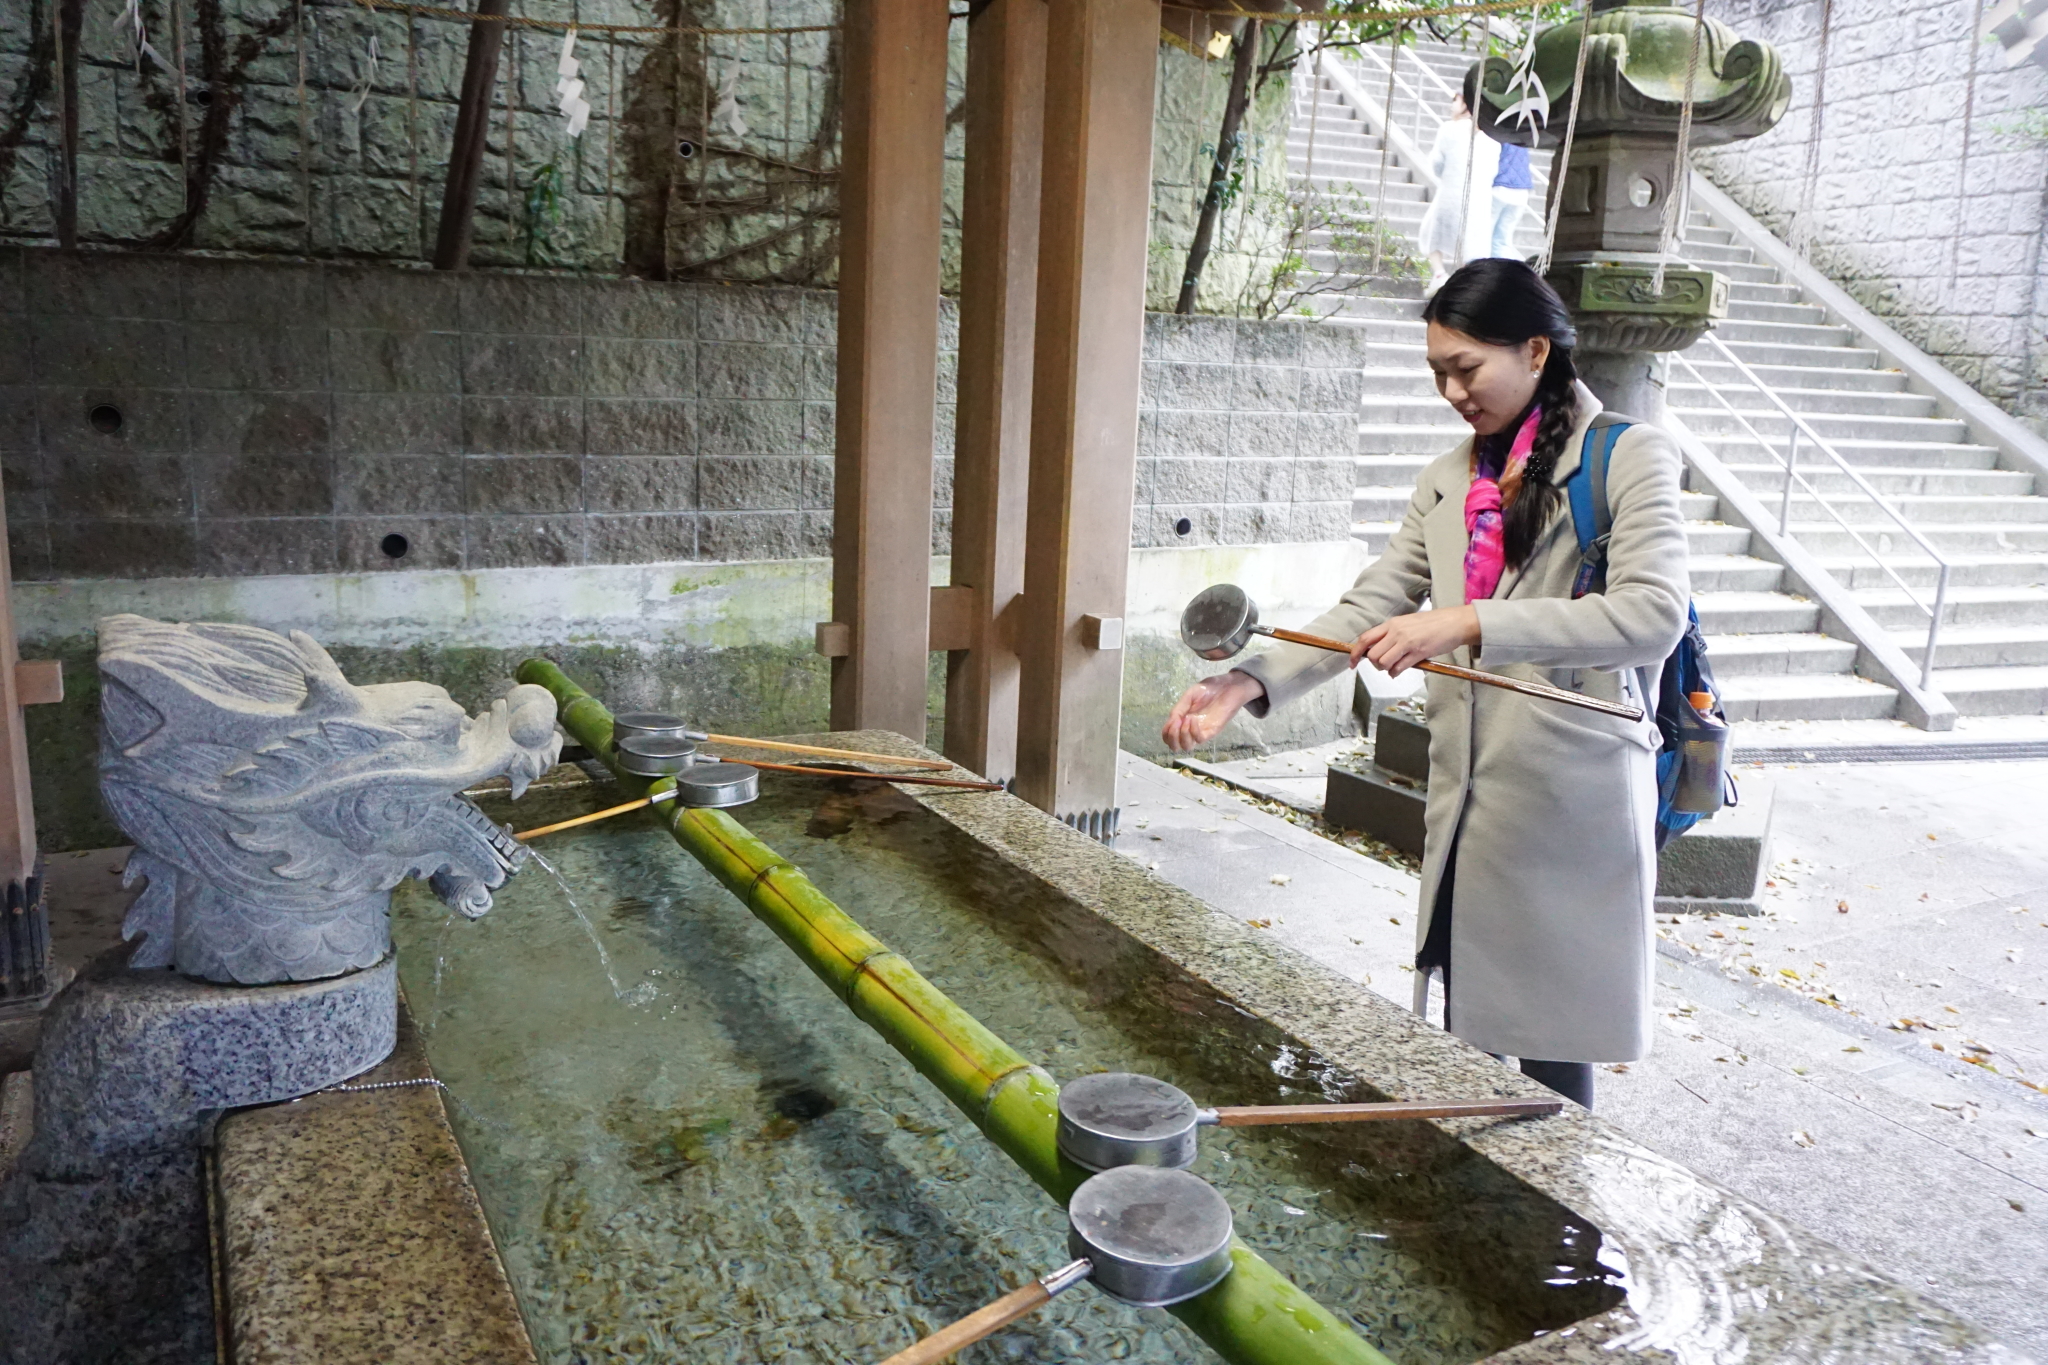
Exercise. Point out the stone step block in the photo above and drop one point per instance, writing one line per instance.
(1966, 606)
(1921, 572)
(1740, 448)
(1798, 696)
(1969, 647)
(1829, 540)
(1786, 333)
(1922, 510)
(1733, 573)
(1827, 355)
(1774, 310)
(1754, 613)
(2015, 691)
(1688, 395)
(1808, 378)
(1718, 866)
(1830, 478)
(1833, 427)
(1802, 653)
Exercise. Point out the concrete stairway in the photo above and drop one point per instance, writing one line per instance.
(1767, 647)
(1990, 523)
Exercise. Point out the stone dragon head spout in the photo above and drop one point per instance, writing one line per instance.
(274, 804)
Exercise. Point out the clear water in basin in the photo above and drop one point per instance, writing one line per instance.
(713, 1160)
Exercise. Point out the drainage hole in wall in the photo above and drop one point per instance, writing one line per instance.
(686, 148)
(105, 418)
(394, 546)
(1183, 526)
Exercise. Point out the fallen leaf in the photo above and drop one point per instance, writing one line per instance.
(1852, 1048)
(1619, 1068)
(1951, 1009)
(1787, 971)
(1841, 907)
(1260, 923)
(1715, 933)
(1923, 895)
(1280, 878)
(2017, 1206)
(1802, 1138)
(1932, 838)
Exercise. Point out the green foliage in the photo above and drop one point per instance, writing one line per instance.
(1365, 247)
(543, 212)
(2028, 126)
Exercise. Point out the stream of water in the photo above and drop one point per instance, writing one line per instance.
(739, 1170)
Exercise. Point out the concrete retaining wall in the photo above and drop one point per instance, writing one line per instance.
(164, 416)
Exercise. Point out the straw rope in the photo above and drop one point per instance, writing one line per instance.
(463, 16)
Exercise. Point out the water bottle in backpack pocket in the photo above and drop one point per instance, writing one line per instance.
(1693, 780)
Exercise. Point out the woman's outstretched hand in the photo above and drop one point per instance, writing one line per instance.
(1207, 707)
(1402, 642)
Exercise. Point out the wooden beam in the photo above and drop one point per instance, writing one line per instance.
(892, 168)
(992, 426)
(472, 133)
(1095, 208)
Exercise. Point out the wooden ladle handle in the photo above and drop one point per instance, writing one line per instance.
(1246, 1116)
(993, 1318)
(1472, 675)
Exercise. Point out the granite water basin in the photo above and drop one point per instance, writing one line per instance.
(689, 1149)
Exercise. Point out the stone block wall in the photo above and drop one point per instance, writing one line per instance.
(321, 130)
(164, 416)
(1948, 252)
(1249, 431)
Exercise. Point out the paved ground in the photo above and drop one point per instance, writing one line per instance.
(1820, 1095)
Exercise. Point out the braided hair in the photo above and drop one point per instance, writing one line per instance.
(1504, 302)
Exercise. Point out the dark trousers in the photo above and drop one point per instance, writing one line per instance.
(1573, 1080)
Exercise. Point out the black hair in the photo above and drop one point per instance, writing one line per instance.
(1504, 302)
(1468, 90)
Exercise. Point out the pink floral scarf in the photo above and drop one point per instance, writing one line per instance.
(1485, 549)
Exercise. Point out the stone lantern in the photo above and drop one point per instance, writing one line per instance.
(1621, 173)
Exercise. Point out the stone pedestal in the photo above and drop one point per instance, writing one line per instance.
(103, 1229)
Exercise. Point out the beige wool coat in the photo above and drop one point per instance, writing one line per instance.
(1547, 808)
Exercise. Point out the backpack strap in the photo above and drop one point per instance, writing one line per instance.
(1586, 490)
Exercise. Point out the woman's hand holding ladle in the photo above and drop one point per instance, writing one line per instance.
(1401, 642)
(1204, 709)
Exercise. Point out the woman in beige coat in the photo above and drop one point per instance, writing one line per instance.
(1539, 859)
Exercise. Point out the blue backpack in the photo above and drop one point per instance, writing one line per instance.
(1693, 780)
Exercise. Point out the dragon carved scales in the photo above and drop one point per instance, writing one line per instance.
(274, 804)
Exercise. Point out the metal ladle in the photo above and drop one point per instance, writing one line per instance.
(1149, 1236)
(1122, 1119)
(1221, 621)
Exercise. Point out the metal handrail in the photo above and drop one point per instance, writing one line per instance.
(1790, 460)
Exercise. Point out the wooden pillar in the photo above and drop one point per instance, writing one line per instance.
(472, 132)
(24, 921)
(894, 86)
(1095, 206)
(998, 296)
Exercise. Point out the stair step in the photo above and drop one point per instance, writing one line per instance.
(1689, 394)
(1739, 448)
(1967, 606)
(1994, 691)
(1754, 613)
(1921, 573)
(1733, 573)
(1773, 655)
(1833, 427)
(1889, 480)
(1702, 363)
(1794, 696)
(1781, 351)
(1978, 646)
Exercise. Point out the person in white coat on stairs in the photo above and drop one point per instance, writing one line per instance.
(1539, 857)
(1458, 224)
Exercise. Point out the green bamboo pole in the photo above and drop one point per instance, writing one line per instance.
(1255, 1316)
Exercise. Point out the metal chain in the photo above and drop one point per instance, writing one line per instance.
(1681, 168)
(1802, 227)
(1379, 205)
(1973, 41)
(1561, 164)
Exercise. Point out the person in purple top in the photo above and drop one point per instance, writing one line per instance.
(1511, 185)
